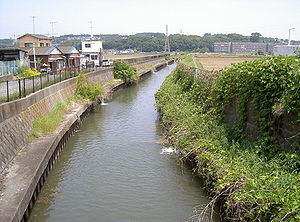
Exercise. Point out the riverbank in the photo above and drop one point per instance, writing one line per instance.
(250, 185)
(21, 180)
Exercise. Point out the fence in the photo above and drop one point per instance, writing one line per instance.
(9, 67)
(20, 87)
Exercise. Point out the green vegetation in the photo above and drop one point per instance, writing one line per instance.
(155, 42)
(198, 63)
(89, 91)
(252, 184)
(113, 81)
(272, 85)
(49, 122)
(187, 59)
(191, 61)
(8, 43)
(122, 70)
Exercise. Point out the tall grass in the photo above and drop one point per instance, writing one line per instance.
(49, 122)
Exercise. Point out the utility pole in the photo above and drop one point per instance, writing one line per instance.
(52, 25)
(167, 43)
(34, 59)
(33, 28)
(290, 35)
(91, 22)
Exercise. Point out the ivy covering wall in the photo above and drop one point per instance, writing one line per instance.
(254, 181)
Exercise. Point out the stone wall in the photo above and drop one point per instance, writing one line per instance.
(287, 128)
(17, 117)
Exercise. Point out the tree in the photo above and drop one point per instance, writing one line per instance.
(122, 70)
(255, 37)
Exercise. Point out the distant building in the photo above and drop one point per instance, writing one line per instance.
(72, 56)
(92, 52)
(248, 47)
(30, 40)
(222, 47)
(48, 57)
(13, 54)
(286, 49)
(244, 47)
(11, 59)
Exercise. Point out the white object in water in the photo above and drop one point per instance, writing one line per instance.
(167, 150)
(102, 103)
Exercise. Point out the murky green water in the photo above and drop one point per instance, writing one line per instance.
(112, 169)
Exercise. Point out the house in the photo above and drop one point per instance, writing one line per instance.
(72, 56)
(92, 52)
(47, 58)
(13, 54)
(34, 40)
(11, 59)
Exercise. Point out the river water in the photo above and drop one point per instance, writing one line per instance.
(113, 169)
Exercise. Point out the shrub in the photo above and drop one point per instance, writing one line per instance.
(89, 91)
(122, 70)
(251, 186)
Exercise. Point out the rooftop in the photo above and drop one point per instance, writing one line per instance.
(38, 36)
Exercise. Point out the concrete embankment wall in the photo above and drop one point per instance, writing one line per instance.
(17, 117)
(287, 127)
(142, 58)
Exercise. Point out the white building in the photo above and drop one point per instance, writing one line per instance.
(92, 52)
(286, 49)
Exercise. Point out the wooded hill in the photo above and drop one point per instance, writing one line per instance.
(150, 42)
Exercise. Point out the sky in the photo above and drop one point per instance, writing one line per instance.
(271, 18)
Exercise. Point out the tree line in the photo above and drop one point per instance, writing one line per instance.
(155, 42)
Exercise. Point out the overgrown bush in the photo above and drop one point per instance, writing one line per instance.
(89, 91)
(122, 70)
(252, 185)
(23, 71)
(272, 85)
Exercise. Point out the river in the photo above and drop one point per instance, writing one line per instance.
(113, 169)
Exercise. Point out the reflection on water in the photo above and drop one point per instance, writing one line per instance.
(112, 169)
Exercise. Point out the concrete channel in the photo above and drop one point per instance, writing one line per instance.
(22, 179)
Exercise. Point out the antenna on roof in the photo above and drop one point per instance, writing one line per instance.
(33, 28)
(91, 22)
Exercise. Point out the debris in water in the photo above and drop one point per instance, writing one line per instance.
(168, 150)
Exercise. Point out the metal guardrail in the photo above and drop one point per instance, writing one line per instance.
(20, 87)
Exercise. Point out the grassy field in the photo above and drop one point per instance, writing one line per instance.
(126, 56)
(218, 62)
(191, 60)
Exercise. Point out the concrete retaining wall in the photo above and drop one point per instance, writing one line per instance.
(142, 59)
(16, 117)
(287, 127)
